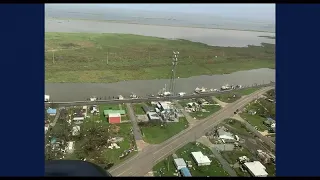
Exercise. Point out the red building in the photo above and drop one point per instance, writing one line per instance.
(114, 118)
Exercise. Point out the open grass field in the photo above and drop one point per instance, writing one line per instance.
(85, 57)
(158, 134)
(168, 168)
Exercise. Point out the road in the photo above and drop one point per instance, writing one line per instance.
(136, 130)
(145, 99)
(143, 162)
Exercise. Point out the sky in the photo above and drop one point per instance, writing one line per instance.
(248, 11)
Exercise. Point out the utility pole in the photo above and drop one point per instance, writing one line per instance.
(108, 56)
(173, 72)
(53, 56)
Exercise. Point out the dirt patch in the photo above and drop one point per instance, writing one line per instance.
(84, 44)
(114, 128)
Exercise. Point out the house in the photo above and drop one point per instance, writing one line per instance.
(185, 172)
(179, 163)
(114, 118)
(153, 116)
(256, 169)
(75, 130)
(107, 112)
(52, 112)
(225, 136)
(120, 97)
(201, 159)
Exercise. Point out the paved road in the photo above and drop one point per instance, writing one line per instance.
(145, 99)
(136, 130)
(143, 162)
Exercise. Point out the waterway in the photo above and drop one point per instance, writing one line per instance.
(82, 91)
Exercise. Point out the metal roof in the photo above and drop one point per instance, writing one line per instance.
(107, 112)
(185, 172)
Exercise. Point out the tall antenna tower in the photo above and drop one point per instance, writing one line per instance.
(173, 72)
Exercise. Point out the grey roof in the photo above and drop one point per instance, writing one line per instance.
(180, 162)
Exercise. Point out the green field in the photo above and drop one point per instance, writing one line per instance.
(138, 109)
(235, 95)
(157, 134)
(168, 167)
(85, 57)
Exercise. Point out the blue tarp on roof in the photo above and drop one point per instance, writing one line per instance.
(185, 172)
(51, 111)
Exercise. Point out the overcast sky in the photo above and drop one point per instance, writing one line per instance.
(249, 11)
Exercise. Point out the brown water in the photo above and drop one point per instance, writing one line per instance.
(81, 91)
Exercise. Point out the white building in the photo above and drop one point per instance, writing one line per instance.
(256, 169)
(46, 98)
(75, 130)
(70, 147)
(164, 105)
(120, 97)
(201, 159)
(179, 163)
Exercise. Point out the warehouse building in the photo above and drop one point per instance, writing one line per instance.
(201, 159)
(180, 163)
(114, 118)
(256, 169)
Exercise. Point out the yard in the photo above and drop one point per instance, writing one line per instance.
(155, 134)
(255, 120)
(236, 94)
(168, 168)
(239, 127)
(138, 109)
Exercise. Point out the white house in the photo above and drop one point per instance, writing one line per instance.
(46, 98)
(256, 169)
(179, 163)
(201, 159)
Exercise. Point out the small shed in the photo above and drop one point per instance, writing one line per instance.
(51, 111)
(114, 118)
(179, 163)
(185, 172)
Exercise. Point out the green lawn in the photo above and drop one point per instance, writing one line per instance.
(157, 134)
(93, 57)
(235, 95)
(138, 109)
(168, 167)
(255, 120)
(240, 127)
